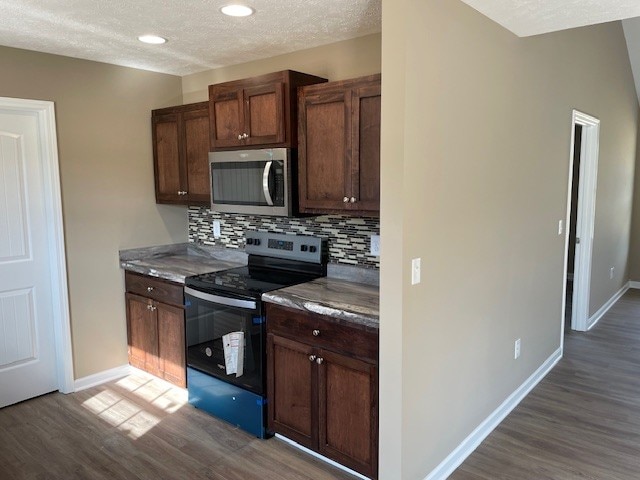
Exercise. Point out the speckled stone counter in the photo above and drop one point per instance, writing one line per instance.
(175, 262)
(343, 300)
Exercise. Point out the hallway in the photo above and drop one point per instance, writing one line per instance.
(583, 420)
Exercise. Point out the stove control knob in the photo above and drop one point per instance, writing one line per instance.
(304, 248)
(256, 241)
(249, 241)
(312, 248)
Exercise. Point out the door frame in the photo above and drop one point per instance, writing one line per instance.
(44, 111)
(585, 218)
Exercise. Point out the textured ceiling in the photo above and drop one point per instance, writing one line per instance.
(533, 17)
(200, 37)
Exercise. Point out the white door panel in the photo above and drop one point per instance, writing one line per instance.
(27, 343)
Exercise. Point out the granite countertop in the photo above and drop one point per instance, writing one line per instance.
(175, 262)
(348, 294)
(343, 300)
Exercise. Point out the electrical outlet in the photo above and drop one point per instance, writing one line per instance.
(611, 273)
(216, 229)
(415, 271)
(560, 227)
(375, 245)
(516, 350)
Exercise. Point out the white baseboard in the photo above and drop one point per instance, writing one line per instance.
(466, 448)
(321, 457)
(101, 377)
(595, 318)
(635, 285)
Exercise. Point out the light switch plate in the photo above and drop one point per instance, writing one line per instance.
(216, 229)
(375, 245)
(415, 271)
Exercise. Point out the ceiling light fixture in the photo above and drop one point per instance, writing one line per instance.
(237, 10)
(152, 39)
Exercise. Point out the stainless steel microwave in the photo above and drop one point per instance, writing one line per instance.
(257, 182)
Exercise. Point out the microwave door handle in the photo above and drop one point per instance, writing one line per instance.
(265, 183)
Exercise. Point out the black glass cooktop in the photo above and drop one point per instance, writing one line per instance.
(249, 280)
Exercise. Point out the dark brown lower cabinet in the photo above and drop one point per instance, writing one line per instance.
(155, 330)
(320, 394)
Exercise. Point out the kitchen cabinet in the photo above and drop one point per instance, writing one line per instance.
(322, 386)
(181, 154)
(258, 111)
(339, 147)
(155, 327)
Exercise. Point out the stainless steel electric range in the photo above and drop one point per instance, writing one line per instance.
(225, 325)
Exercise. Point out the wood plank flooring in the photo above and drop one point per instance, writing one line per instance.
(139, 428)
(583, 420)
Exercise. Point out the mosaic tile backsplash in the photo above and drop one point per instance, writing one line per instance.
(349, 237)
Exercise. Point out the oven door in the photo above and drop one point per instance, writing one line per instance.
(209, 318)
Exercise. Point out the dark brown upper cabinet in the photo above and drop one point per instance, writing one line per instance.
(257, 111)
(180, 154)
(339, 147)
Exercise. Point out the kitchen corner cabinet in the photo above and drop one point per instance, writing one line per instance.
(322, 386)
(181, 154)
(155, 327)
(339, 147)
(258, 111)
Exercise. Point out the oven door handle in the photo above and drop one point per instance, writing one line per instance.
(230, 302)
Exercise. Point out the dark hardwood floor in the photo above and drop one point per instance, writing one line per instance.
(139, 428)
(583, 420)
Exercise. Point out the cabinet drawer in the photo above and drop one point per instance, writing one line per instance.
(154, 288)
(319, 331)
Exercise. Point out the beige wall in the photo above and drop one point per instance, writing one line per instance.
(476, 133)
(634, 261)
(104, 138)
(337, 61)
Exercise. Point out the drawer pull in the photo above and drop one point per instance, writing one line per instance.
(312, 358)
(319, 360)
(149, 289)
(316, 333)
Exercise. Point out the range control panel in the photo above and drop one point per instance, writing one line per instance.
(294, 247)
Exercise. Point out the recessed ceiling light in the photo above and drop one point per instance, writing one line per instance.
(237, 10)
(153, 39)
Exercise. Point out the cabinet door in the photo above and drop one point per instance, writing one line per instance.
(195, 126)
(227, 118)
(365, 169)
(264, 114)
(291, 390)
(348, 411)
(171, 343)
(324, 151)
(166, 155)
(142, 334)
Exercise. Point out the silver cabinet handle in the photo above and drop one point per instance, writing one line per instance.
(148, 307)
(345, 200)
(245, 135)
(319, 360)
(353, 199)
(312, 358)
(149, 289)
(316, 333)
(153, 308)
(239, 136)
(265, 183)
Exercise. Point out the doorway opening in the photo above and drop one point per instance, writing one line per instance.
(580, 220)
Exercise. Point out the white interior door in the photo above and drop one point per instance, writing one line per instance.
(28, 365)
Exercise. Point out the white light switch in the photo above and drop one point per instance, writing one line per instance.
(560, 227)
(375, 245)
(216, 229)
(415, 271)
